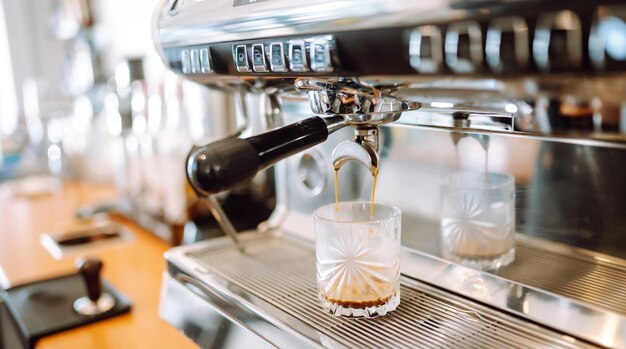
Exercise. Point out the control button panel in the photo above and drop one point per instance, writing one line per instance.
(297, 56)
(240, 56)
(315, 54)
(258, 58)
(193, 61)
(553, 40)
(426, 49)
(277, 57)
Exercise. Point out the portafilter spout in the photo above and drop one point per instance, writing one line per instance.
(229, 162)
(363, 149)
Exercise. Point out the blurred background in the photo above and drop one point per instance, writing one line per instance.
(84, 97)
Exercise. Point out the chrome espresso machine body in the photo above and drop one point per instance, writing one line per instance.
(411, 91)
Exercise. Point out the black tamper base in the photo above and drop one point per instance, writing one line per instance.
(45, 307)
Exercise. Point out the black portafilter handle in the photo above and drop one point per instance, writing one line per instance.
(90, 270)
(227, 163)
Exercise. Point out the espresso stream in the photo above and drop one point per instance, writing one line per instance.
(374, 173)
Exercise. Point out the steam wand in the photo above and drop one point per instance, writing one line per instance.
(222, 219)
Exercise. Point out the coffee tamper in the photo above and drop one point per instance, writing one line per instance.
(96, 302)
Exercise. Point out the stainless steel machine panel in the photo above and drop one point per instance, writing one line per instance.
(531, 89)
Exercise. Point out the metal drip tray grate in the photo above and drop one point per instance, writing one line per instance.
(592, 280)
(282, 273)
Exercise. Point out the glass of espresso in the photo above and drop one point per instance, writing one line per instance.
(358, 258)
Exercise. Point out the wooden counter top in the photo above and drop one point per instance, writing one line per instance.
(135, 269)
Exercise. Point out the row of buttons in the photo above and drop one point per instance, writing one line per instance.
(195, 61)
(297, 59)
(557, 44)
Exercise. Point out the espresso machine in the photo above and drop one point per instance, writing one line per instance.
(409, 91)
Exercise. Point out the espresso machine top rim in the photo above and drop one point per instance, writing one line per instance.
(280, 40)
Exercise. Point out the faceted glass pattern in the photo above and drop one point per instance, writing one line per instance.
(358, 258)
(478, 219)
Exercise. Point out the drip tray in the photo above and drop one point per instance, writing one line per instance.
(571, 272)
(276, 278)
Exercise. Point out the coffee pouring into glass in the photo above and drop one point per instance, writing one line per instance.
(227, 163)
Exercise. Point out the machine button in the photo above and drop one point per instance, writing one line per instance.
(320, 55)
(194, 57)
(297, 56)
(464, 49)
(558, 41)
(277, 57)
(258, 58)
(240, 55)
(507, 45)
(426, 49)
(205, 61)
(185, 62)
(607, 48)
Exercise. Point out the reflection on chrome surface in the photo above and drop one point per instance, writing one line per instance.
(478, 219)
(572, 317)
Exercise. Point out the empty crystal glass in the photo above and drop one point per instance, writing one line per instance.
(358, 258)
(478, 219)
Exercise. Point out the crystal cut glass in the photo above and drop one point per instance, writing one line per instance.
(478, 219)
(358, 258)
